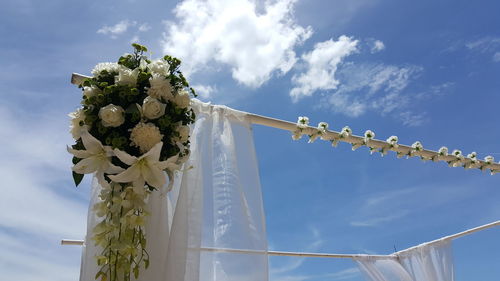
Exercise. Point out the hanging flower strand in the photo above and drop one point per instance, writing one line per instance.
(455, 159)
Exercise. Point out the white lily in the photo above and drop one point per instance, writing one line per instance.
(96, 157)
(145, 169)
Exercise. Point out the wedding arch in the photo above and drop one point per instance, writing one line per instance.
(208, 222)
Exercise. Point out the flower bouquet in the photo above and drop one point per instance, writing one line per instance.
(132, 133)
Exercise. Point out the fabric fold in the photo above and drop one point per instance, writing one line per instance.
(216, 202)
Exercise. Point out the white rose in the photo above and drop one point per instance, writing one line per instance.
(91, 91)
(127, 77)
(159, 66)
(112, 115)
(75, 128)
(182, 99)
(153, 108)
(183, 133)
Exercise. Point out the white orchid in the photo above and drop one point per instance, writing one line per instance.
(96, 157)
(145, 169)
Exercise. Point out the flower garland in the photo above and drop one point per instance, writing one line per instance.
(131, 132)
(455, 159)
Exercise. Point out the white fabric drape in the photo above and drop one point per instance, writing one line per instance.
(216, 202)
(427, 262)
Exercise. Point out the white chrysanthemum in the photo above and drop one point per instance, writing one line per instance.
(160, 87)
(159, 67)
(182, 99)
(110, 67)
(145, 136)
(77, 118)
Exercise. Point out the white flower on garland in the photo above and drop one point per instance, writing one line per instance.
(459, 157)
(473, 160)
(110, 67)
(127, 77)
(160, 87)
(145, 136)
(112, 115)
(443, 151)
(489, 159)
(77, 121)
(369, 135)
(144, 169)
(152, 108)
(92, 91)
(96, 157)
(322, 127)
(345, 132)
(159, 67)
(182, 99)
(415, 148)
(393, 141)
(303, 122)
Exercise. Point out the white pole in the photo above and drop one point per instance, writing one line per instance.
(77, 79)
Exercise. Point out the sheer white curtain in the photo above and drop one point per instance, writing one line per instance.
(216, 203)
(426, 262)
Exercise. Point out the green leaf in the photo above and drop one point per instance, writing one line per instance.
(77, 178)
(146, 263)
(136, 271)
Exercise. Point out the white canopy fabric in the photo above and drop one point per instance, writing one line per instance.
(427, 262)
(216, 202)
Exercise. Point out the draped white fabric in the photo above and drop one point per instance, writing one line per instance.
(427, 262)
(216, 202)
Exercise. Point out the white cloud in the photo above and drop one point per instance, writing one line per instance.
(377, 46)
(135, 39)
(380, 220)
(485, 44)
(39, 206)
(322, 63)
(411, 119)
(253, 44)
(369, 86)
(117, 29)
(144, 27)
(496, 57)
(204, 91)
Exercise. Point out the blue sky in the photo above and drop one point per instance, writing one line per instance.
(421, 70)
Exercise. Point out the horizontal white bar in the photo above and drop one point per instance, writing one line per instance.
(454, 236)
